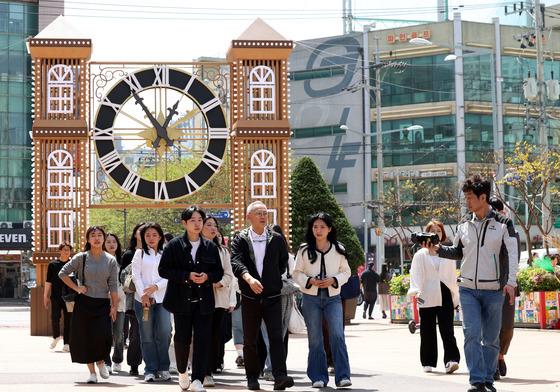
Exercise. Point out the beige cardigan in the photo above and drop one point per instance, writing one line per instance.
(336, 266)
(222, 294)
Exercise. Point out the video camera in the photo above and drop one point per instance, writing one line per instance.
(423, 237)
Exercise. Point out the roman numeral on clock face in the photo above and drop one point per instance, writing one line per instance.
(212, 161)
(218, 133)
(191, 185)
(161, 76)
(132, 82)
(115, 106)
(207, 106)
(102, 134)
(131, 182)
(110, 161)
(160, 190)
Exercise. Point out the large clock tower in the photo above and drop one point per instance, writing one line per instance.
(259, 120)
(60, 145)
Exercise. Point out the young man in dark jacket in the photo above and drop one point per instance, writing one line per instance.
(259, 257)
(478, 243)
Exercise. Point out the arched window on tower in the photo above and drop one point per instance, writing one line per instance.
(60, 189)
(263, 175)
(60, 175)
(60, 89)
(261, 90)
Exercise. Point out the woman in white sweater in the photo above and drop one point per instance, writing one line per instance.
(433, 280)
(222, 294)
(321, 269)
(154, 321)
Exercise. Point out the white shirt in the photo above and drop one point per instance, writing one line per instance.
(145, 273)
(194, 248)
(259, 248)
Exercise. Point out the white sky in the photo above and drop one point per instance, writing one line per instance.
(181, 30)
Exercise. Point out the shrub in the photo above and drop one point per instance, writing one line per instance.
(399, 284)
(537, 279)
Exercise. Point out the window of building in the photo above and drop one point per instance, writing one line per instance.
(60, 89)
(60, 178)
(262, 84)
(318, 73)
(272, 216)
(326, 130)
(263, 175)
(59, 227)
(339, 188)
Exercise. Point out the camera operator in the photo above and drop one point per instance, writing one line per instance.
(433, 281)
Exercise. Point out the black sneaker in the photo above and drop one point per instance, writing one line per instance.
(253, 385)
(283, 383)
(364, 316)
(477, 388)
(133, 371)
(489, 387)
(502, 367)
(239, 361)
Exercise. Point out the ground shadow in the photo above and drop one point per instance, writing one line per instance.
(526, 381)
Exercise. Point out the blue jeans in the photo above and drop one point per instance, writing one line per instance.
(155, 337)
(482, 319)
(315, 308)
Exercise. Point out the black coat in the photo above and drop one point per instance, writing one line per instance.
(274, 264)
(176, 264)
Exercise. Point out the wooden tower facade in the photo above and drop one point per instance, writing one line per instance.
(259, 121)
(60, 148)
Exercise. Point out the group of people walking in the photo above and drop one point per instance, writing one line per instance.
(178, 291)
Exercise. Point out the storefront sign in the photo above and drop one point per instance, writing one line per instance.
(15, 239)
(405, 37)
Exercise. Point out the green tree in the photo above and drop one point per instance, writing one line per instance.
(310, 194)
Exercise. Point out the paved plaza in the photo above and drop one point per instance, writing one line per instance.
(383, 357)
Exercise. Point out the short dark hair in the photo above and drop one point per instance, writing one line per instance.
(65, 244)
(496, 204)
(477, 185)
(156, 227)
(168, 236)
(188, 213)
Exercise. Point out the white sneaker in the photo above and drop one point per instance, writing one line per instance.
(427, 369)
(196, 386)
(344, 383)
(164, 375)
(209, 382)
(173, 370)
(55, 342)
(184, 381)
(451, 366)
(66, 348)
(103, 371)
(149, 377)
(92, 379)
(318, 384)
(117, 367)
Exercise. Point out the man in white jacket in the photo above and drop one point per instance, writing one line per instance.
(477, 244)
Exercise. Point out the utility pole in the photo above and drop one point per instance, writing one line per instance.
(366, 137)
(380, 245)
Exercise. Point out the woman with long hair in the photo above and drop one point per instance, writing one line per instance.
(210, 231)
(383, 290)
(192, 265)
(113, 247)
(154, 321)
(97, 271)
(321, 269)
(433, 280)
(134, 352)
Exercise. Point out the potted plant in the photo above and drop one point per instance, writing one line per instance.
(538, 302)
(401, 304)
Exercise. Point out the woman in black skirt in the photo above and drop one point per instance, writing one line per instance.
(96, 270)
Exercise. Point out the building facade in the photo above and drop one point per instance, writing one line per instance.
(451, 104)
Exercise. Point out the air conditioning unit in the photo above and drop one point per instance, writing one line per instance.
(28, 224)
(5, 225)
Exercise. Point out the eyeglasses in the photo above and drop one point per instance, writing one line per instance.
(260, 213)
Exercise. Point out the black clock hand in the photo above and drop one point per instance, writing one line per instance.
(172, 111)
(160, 131)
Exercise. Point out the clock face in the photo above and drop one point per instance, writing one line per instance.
(160, 133)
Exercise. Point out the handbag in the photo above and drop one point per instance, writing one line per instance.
(296, 324)
(128, 284)
(68, 294)
(288, 287)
